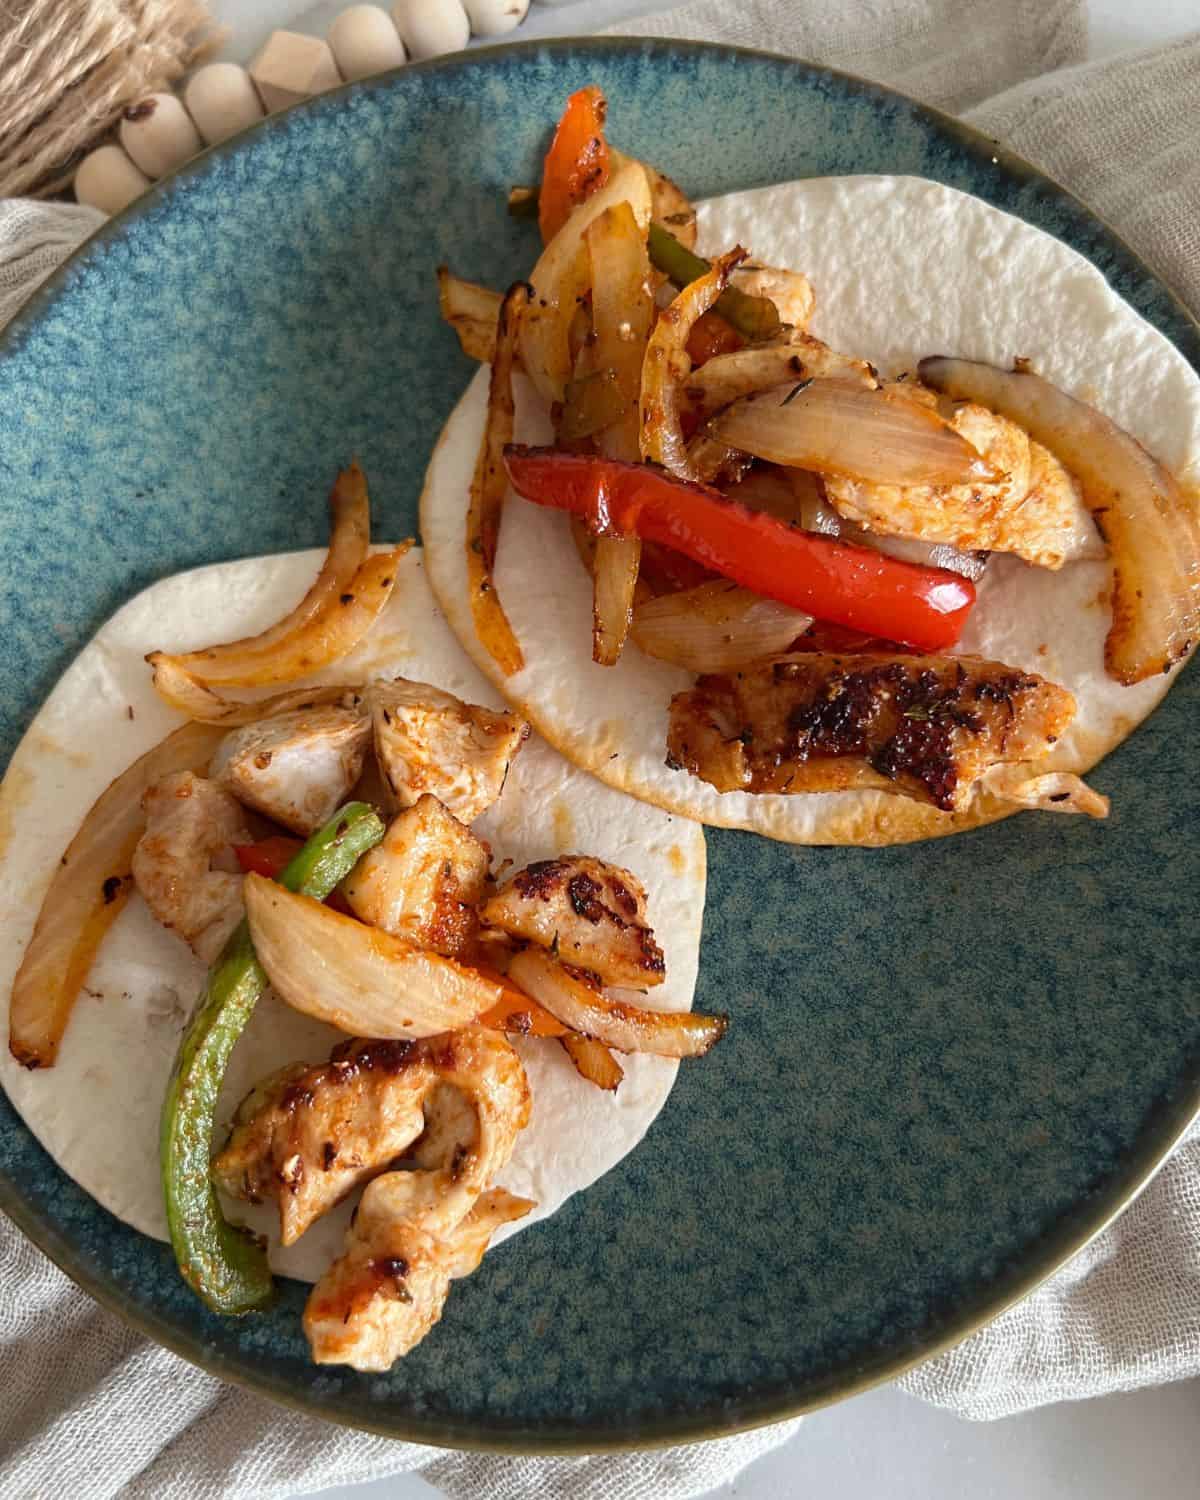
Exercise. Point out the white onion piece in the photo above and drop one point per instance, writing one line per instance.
(715, 627)
(912, 549)
(835, 427)
(563, 273)
(90, 886)
(800, 497)
(1054, 791)
(1151, 529)
(349, 547)
(667, 366)
(728, 377)
(361, 980)
(592, 1060)
(616, 1023)
(473, 312)
(188, 694)
(622, 316)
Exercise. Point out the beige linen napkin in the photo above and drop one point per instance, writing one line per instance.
(91, 1408)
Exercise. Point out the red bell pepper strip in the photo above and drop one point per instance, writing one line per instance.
(271, 856)
(577, 161)
(712, 335)
(268, 857)
(516, 1011)
(832, 580)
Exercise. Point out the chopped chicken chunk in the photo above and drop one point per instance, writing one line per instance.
(308, 1135)
(430, 741)
(1034, 510)
(924, 726)
(388, 1288)
(424, 881)
(296, 768)
(592, 914)
(790, 291)
(190, 822)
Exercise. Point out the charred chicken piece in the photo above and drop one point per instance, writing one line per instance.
(927, 727)
(297, 768)
(387, 1290)
(424, 881)
(430, 741)
(592, 914)
(190, 822)
(308, 1135)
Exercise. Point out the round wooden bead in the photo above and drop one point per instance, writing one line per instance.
(222, 100)
(495, 17)
(428, 28)
(364, 41)
(158, 134)
(108, 180)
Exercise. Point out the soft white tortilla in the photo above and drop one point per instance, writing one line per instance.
(97, 1110)
(902, 268)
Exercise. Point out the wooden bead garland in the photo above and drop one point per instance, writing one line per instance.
(160, 132)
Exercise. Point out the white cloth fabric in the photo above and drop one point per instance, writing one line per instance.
(91, 1408)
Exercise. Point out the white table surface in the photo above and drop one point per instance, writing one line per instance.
(885, 1445)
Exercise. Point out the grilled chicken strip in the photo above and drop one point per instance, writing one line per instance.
(387, 1290)
(296, 768)
(927, 727)
(430, 741)
(190, 822)
(591, 913)
(310, 1134)
(424, 881)
(1034, 510)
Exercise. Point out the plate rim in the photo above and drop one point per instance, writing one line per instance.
(1073, 1231)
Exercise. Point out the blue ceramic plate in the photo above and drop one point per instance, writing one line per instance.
(950, 1063)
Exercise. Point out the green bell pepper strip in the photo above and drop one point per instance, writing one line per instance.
(226, 1266)
(754, 318)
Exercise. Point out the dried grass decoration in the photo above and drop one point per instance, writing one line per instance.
(69, 67)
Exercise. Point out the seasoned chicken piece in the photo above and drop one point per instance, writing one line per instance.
(430, 741)
(310, 1134)
(1034, 510)
(387, 1290)
(591, 913)
(424, 880)
(296, 768)
(924, 726)
(414, 1231)
(790, 291)
(189, 823)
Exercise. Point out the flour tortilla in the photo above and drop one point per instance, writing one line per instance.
(902, 268)
(97, 1110)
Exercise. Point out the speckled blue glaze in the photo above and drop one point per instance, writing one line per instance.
(948, 1063)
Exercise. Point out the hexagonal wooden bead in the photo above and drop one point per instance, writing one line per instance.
(292, 67)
